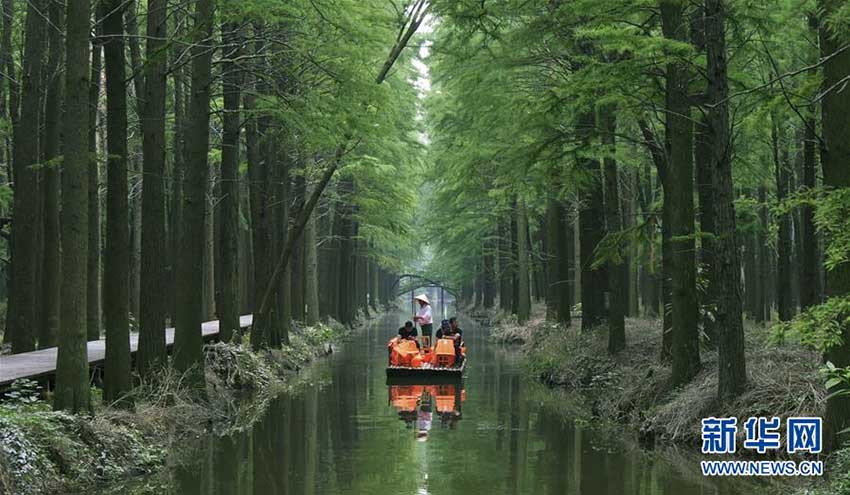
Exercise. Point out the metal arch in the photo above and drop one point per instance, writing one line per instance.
(429, 282)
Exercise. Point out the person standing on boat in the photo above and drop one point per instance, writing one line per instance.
(423, 316)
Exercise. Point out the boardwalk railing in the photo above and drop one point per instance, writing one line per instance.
(41, 364)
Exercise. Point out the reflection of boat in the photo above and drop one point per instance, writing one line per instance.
(408, 358)
(416, 404)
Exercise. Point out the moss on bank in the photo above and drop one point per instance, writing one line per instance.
(42, 451)
(633, 387)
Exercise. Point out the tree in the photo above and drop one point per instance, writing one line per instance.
(21, 321)
(311, 274)
(188, 352)
(617, 274)
(116, 259)
(835, 106)
(591, 227)
(93, 296)
(72, 390)
(51, 269)
(524, 306)
(153, 304)
(730, 330)
(678, 191)
(229, 207)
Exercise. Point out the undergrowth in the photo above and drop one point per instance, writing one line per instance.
(632, 389)
(42, 451)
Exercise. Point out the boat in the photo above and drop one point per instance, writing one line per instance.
(452, 373)
(406, 359)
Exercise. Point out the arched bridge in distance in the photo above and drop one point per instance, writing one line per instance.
(416, 281)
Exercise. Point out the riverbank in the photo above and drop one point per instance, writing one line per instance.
(633, 388)
(42, 451)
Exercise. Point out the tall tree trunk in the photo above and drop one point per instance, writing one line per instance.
(809, 265)
(732, 378)
(8, 108)
(524, 302)
(21, 323)
(51, 269)
(617, 270)
(705, 170)
(764, 260)
(566, 254)
(591, 222)
(260, 222)
(178, 165)
(488, 258)
(679, 192)
(346, 262)
(835, 106)
(208, 279)
(784, 305)
(138, 91)
(228, 308)
(153, 306)
(116, 265)
(188, 342)
(72, 385)
(505, 266)
(551, 224)
(514, 259)
(666, 281)
(311, 272)
(281, 181)
(93, 312)
(296, 279)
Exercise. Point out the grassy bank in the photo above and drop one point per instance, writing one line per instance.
(42, 451)
(633, 387)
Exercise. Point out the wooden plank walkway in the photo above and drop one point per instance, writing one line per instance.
(41, 364)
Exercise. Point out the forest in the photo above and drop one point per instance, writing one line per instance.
(164, 164)
(180, 163)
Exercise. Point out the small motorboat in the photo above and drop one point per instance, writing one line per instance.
(408, 359)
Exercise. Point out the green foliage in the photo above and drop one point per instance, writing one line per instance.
(819, 327)
(22, 392)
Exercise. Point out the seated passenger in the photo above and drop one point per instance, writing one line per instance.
(408, 332)
(444, 331)
(450, 330)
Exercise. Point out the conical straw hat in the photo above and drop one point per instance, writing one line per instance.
(423, 298)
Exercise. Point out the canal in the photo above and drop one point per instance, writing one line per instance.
(349, 432)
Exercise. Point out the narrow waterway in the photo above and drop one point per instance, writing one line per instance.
(352, 433)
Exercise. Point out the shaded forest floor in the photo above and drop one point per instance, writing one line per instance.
(633, 388)
(42, 451)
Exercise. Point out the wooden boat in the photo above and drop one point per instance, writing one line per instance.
(427, 371)
(406, 359)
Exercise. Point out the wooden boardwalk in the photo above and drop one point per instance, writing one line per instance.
(41, 364)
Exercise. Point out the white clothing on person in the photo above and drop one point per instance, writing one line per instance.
(424, 315)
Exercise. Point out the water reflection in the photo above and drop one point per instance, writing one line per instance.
(356, 434)
(416, 405)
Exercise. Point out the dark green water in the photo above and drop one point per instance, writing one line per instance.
(344, 435)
